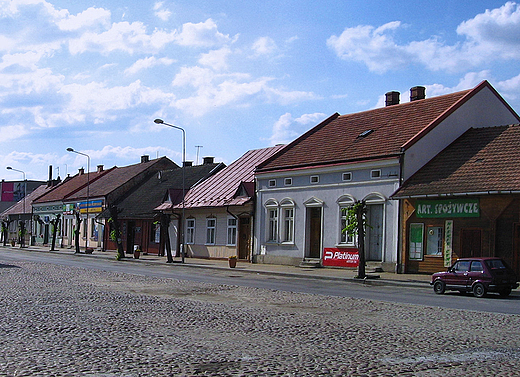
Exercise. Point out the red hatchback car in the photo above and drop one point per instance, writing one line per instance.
(477, 275)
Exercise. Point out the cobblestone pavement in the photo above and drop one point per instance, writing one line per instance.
(62, 321)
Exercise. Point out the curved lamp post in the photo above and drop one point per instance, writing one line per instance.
(22, 238)
(181, 223)
(88, 188)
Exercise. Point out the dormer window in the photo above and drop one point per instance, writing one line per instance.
(272, 183)
(375, 174)
(347, 177)
(315, 179)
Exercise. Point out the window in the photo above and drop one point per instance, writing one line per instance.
(315, 179)
(273, 225)
(272, 183)
(232, 231)
(155, 234)
(93, 229)
(434, 240)
(65, 227)
(211, 224)
(476, 266)
(190, 231)
(374, 174)
(416, 241)
(287, 181)
(347, 177)
(288, 225)
(345, 238)
(461, 266)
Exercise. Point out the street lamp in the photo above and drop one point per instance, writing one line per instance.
(22, 238)
(181, 223)
(88, 187)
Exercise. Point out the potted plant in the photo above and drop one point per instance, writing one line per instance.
(232, 261)
(137, 252)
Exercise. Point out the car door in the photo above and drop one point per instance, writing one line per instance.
(457, 276)
(475, 273)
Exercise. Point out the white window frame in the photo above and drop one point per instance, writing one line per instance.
(232, 223)
(211, 230)
(190, 231)
(287, 181)
(287, 222)
(344, 174)
(343, 238)
(315, 179)
(272, 183)
(375, 173)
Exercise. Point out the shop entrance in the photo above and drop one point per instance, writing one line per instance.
(470, 243)
(244, 237)
(313, 232)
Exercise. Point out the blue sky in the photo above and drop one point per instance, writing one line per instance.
(235, 75)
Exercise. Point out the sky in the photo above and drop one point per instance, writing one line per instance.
(235, 75)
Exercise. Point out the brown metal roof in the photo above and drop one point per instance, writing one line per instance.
(482, 160)
(372, 134)
(221, 189)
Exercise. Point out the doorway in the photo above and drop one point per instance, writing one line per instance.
(470, 243)
(244, 237)
(374, 236)
(313, 241)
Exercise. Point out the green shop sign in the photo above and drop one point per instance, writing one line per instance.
(448, 208)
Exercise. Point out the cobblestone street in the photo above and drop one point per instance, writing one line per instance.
(61, 321)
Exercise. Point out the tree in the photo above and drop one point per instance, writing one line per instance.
(165, 224)
(77, 230)
(55, 229)
(5, 230)
(115, 233)
(356, 226)
(21, 233)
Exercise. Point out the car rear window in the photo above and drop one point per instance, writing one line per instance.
(495, 263)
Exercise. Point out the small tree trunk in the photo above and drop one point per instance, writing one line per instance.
(55, 229)
(22, 233)
(361, 240)
(165, 224)
(115, 223)
(77, 231)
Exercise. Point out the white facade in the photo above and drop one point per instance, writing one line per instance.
(299, 211)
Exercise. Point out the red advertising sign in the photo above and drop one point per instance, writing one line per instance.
(340, 257)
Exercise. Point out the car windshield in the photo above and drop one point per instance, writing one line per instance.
(495, 263)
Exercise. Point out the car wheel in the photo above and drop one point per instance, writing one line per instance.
(439, 287)
(505, 292)
(479, 290)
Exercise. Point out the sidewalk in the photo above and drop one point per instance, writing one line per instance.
(341, 274)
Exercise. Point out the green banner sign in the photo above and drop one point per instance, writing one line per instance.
(448, 208)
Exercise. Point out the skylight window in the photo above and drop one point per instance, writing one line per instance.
(365, 133)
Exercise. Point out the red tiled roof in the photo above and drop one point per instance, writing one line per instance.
(339, 138)
(220, 189)
(481, 160)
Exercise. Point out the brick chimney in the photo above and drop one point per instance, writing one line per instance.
(81, 171)
(145, 158)
(187, 163)
(417, 93)
(392, 98)
(208, 160)
(99, 168)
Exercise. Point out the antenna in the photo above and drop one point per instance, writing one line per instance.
(198, 148)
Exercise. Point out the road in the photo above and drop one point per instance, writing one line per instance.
(387, 293)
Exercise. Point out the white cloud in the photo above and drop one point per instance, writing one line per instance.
(216, 59)
(122, 36)
(146, 63)
(88, 18)
(492, 35)
(264, 46)
(202, 34)
(160, 12)
(12, 132)
(286, 128)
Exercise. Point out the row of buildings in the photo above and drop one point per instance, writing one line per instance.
(439, 177)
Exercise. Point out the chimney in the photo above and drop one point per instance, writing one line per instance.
(417, 92)
(99, 168)
(187, 163)
(81, 171)
(208, 160)
(392, 98)
(49, 182)
(145, 158)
